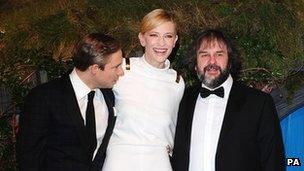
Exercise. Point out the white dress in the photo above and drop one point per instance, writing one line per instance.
(146, 103)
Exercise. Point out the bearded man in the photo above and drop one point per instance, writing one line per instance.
(224, 125)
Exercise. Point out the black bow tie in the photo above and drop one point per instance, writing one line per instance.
(205, 92)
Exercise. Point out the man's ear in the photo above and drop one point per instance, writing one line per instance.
(94, 69)
(142, 39)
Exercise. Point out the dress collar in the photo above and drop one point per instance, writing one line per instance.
(149, 66)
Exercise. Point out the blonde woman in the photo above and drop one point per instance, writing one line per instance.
(147, 101)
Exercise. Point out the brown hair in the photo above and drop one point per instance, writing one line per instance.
(207, 37)
(94, 48)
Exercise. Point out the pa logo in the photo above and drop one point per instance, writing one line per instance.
(293, 162)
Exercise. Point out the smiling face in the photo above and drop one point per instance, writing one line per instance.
(212, 63)
(158, 43)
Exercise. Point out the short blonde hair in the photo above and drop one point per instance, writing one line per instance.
(154, 19)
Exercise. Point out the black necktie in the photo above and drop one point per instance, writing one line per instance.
(205, 92)
(90, 123)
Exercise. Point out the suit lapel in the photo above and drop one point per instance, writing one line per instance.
(74, 111)
(236, 97)
(77, 120)
(100, 155)
(109, 98)
(188, 107)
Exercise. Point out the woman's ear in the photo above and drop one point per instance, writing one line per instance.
(142, 39)
(176, 38)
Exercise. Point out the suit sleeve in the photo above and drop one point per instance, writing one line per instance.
(270, 138)
(33, 129)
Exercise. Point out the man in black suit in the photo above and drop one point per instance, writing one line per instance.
(66, 123)
(223, 125)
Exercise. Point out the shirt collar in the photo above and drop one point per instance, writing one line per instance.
(80, 88)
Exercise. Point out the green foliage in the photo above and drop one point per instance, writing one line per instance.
(7, 149)
(268, 35)
(57, 27)
(39, 35)
(21, 63)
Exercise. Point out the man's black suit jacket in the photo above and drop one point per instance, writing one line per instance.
(250, 137)
(51, 132)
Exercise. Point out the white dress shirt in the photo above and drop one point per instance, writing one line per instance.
(101, 110)
(207, 122)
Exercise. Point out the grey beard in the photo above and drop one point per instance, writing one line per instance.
(213, 83)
